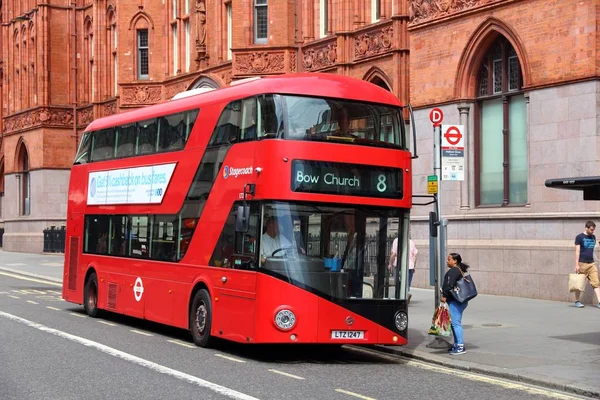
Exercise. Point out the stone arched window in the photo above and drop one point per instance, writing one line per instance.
(24, 180)
(24, 69)
(88, 67)
(204, 82)
(33, 86)
(16, 83)
(501, 148)
(112, 69)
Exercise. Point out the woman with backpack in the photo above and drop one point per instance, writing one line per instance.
(456, 270)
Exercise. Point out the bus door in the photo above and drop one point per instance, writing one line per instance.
(235, 281)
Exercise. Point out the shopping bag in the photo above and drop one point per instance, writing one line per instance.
(576, 282)
(440, 324)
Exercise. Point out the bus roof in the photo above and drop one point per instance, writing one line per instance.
(307, 84)
(590, 185)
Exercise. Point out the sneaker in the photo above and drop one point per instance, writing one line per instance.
(453, 348)
(579, 305)
(598, 305)
(457, 349)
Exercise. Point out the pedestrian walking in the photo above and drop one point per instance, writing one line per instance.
(456, 269)
(584, 260)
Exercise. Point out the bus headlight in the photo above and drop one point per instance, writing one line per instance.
(285, 320)
(401, 321)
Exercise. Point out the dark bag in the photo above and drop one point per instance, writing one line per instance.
(465, 288)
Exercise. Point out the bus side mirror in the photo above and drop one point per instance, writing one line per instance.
(242, 219)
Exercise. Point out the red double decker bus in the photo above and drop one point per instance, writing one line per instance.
(263, 212)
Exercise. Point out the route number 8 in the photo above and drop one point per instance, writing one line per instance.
(381, 184)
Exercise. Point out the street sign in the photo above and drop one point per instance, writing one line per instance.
(453, 153)
(452, 136)
(436, 116)
(432, 184)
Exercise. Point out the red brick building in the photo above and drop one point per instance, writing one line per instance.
(522, 78)
(66, 62)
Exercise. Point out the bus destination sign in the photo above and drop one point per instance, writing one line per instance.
(346, 179)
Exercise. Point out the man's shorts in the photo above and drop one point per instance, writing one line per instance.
(591, 272)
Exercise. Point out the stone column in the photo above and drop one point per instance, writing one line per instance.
(465, 186)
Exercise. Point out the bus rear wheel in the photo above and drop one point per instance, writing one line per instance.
(201, 318)
(90, 296)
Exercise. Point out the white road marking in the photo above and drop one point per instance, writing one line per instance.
(107, 323)
(15, 264)
(286, 374)
(14, 297)
(32, 302)
(473, 377)
(181, 344)
(133, 359)
(52, 264)
(78, 315)
(30, 279)
(53, 308)
(230, 358)
(360, 396)
(141, 333)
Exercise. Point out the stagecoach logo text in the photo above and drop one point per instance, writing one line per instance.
(235, 172)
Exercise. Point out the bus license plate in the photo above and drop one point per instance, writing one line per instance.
(347, 334)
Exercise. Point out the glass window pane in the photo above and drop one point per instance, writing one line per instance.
(518, 150)
(228, 128)
(172, 132)
(83, 153)
(164, 237)
(146, 141)
(103, 145)
(126, 140)
(118, 239)
(514, 73)
(139, 236)
(249, 125)
(491, 153)
(96, 234)
(261, 22)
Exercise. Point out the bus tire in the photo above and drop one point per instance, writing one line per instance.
(90, 296)
(201, 318)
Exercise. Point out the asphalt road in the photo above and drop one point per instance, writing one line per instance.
(50, 349)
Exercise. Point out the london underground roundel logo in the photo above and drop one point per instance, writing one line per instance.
(226, 172)
(93, 187)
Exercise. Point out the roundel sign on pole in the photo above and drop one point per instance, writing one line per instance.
(452, 137)
(436, 116)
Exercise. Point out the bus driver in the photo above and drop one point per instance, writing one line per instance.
(271, 240)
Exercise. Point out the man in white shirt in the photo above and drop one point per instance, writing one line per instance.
(271, 241)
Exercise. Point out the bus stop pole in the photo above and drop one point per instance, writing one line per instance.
(437, 171)
(439, 240)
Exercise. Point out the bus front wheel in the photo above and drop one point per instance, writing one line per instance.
(201, 318)
(90, 296)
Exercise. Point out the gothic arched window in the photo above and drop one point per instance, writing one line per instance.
(502, 130)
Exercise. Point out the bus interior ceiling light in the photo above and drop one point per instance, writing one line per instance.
(285, 320)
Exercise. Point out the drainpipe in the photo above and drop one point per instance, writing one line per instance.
(74, 85)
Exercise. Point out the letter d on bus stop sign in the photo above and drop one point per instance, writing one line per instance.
(436, 116)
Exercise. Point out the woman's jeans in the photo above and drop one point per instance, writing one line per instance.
(456, 311)
(411, 272)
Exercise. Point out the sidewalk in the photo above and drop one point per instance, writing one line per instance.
(541, 342)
